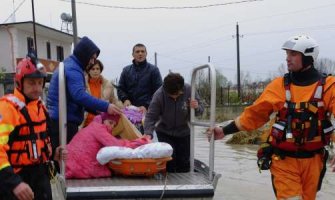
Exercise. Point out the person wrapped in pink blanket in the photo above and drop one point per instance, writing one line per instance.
(83, 148)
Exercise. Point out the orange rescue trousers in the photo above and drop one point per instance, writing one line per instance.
(296, 178)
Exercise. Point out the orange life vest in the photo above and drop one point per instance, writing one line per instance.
(29, 142)
(302, 126)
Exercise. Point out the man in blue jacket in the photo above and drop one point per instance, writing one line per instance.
(170, 107)
(84, 54)
(139, 81)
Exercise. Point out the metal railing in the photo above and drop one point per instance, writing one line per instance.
(193, 122)
(211, 123)
(62, 111)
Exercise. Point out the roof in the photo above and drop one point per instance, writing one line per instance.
(42, 29)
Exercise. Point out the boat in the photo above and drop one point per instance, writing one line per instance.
(199, 183)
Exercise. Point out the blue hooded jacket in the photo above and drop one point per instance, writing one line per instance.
(77, 97)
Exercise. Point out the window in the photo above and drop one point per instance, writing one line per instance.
(30, 44)
(60, 53)
(48, 51)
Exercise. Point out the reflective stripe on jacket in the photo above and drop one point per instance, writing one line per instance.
(302, 126)
(23, 143)
(273, 99)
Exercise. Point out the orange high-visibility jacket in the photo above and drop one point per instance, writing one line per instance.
(273, 99)
(20, 147)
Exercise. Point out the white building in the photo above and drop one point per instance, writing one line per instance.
(17, 38)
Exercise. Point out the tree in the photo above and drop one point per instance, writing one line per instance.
(325, 65)
(2, 73)
(221, 80)
(204, 87)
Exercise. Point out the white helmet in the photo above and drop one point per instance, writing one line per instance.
(303, 44)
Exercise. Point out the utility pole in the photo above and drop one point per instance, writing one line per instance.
(13, 15)
(156, 59)
(238, 61)
(228, 94)
(74, 23)
(209, 78)
(209, 73)
(34, 26)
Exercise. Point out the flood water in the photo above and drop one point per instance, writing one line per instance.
(240, 177)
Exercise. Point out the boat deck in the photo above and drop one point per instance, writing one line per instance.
(194, 185)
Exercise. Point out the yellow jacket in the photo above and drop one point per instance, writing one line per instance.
(21, 152)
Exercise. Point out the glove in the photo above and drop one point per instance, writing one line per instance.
(264, 155)
(264, 163)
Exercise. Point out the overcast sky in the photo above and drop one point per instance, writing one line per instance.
(184, 38)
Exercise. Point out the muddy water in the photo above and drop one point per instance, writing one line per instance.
(240, 176)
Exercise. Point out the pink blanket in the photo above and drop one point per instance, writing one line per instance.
(84, 146)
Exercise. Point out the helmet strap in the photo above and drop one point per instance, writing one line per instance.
(27, 99)
(307, 61)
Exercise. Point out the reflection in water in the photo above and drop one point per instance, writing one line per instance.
(240, 175)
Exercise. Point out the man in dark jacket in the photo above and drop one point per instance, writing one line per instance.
(139, 81)
(84, 54)
(170, 107)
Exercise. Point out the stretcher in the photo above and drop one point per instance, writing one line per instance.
(139, 167)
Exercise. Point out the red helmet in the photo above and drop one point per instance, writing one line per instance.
(26, 68)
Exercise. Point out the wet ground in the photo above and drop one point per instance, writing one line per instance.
(240, 178)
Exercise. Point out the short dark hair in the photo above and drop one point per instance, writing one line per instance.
(88, 68)
(139, 45)
(173, 83)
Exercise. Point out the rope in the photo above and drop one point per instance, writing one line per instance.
(164, 188)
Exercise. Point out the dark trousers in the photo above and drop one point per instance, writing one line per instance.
(181, 152)
(72, 129)
(37, 178)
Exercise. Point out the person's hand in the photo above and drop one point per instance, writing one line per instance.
(23, 192)
(126, 103)
(142, 109)
(332, 164)
(217, 131)
(194, 104)
(60, 154)
(147, 137)
(113, 109)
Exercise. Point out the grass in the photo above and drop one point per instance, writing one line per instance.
(244, 137)
(224, 114)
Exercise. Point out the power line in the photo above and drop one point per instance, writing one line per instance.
(289, 13)
(165, 7)
(175, 58)
(198, 63)
(199, 45)
(216, 41)
(310, 28)
(14, 11)
(267, 17)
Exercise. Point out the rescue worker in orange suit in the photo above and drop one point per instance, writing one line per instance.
(304, 100)
(25, 147)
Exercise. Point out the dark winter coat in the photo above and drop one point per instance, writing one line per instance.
(138, 83)
(173, 116)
